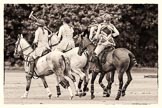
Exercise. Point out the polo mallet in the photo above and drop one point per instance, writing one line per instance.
(32, 16)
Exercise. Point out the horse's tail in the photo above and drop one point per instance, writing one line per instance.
(132, 57)
(67, 64)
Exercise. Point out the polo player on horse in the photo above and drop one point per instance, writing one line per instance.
(40, 43)
(104, 34)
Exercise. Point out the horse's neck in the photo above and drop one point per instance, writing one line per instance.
(27, 49)
(72, 52)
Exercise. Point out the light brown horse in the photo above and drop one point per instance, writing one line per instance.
(120, 59)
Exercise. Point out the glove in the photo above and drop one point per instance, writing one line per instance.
(34, 45)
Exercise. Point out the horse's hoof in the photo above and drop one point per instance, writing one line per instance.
(76, 94)
(87, 89)
(106, 95)
(116, 98)
(92, 96)
(84, 94)
(49, 96)
(71, 97)
(58, 93)
(80, 95)
(123, 94)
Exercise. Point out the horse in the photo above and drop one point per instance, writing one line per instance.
(53, 62)
(120, 59)
(79, 64)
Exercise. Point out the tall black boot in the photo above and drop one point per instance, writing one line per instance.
(32, 64)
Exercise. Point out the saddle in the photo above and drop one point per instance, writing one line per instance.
(36, 60)
(46, 52)
(102, 56)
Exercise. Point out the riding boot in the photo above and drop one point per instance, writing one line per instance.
(95, 60)
(32, 64)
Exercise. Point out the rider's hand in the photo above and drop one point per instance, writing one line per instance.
(34, 45)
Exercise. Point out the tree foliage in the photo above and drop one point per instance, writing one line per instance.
(137, 24)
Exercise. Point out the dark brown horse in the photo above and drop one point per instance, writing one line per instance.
(120, 59)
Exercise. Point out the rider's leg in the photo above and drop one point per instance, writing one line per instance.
(32, 64)
(97, 51)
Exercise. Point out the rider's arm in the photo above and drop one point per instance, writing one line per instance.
(98, 32)
(36, 36)
(60, 32)
(116, 32)
(91, 33)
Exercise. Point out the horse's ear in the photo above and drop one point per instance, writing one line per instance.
(81, 36)
(21, 36)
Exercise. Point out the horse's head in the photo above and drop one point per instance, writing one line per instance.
(21, 45)
(17, 51)
(77, 40)
(84, 44)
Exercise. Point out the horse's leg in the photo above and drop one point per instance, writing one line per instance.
(101, 84)
(72, 77)
(46, 86)
(94, 74)
(65, 84)
(85, 88)
(81, 75)
(120, 78)
(110, 79)
(28, 79)
(57, 86)
(128, 82)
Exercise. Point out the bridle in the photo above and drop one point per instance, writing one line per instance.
(22, 50)
(85, 47)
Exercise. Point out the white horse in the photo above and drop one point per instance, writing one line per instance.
(53, 62)
(79, 64)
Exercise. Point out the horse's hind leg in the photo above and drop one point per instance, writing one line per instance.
(101, 84)
(120, 78)
(79, 72)
(57, 86)
(65, 84)
(85, 88)
(110, 79)
(94, 74)
(127, 83)
(46, 86)
(28, 79)
(72, 77)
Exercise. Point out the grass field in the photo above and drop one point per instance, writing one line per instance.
(142, 90)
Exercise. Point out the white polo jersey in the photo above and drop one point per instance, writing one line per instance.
(41, 37)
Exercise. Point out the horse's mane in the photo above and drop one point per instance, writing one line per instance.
(88, 40)
(24, 41)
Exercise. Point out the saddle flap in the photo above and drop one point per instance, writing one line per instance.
(104, 53)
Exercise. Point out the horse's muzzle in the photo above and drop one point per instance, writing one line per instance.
(16, 55)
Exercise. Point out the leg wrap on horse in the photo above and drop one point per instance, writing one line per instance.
(80, 83)
(92, 88)
(58, 90)
(85, 86)
(102, 85)
(65, 84)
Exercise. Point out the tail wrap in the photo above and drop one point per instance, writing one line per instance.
(132, 57)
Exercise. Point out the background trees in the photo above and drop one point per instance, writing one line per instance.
(137, 24)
